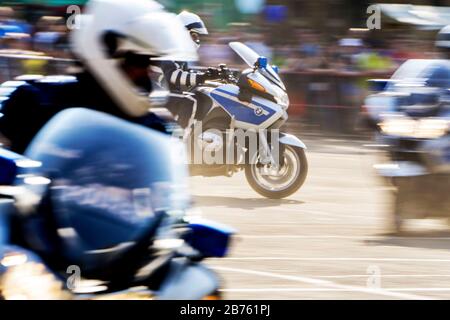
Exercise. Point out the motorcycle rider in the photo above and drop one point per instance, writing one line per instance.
(440, 76)
(443, 42)
(179, 77)
(115, 46)
(118, 159)
(435, 80)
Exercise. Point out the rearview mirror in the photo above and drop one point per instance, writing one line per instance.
(276, 69)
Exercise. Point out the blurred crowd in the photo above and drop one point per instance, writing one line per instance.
(48, 34)
(307, 49)
(328, 71)
(303, 49)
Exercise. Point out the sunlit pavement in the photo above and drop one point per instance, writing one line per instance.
(331, 240)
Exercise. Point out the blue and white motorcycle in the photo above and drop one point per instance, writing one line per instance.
(235, 126)
(411, 119)
(89, 212)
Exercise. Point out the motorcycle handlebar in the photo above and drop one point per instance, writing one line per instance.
(221, 73)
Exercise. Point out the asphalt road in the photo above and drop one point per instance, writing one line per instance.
(331, 240)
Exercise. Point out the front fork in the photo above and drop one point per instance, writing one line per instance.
(270, 152)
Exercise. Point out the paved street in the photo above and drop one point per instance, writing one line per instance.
(331, 240)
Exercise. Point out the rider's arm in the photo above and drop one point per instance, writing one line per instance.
(180, 78)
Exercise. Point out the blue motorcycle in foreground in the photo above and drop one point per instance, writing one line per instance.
(96, 209)
(411, 116)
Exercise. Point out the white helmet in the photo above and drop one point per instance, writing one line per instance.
(112, 29)
(194, 24)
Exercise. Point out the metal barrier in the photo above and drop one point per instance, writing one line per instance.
(326, 100)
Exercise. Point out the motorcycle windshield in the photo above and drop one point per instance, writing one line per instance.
(108, 182)
(250, 57)
(247, 54)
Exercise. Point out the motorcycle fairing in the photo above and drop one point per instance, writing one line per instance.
(110, 179)
(250, 57)
(210, 238)
(259, 113)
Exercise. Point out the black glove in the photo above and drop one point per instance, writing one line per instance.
(210, 74)
(213, 74)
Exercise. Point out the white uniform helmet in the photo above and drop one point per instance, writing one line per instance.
(111, 28)
(194, 24)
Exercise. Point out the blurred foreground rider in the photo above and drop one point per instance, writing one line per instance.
(443, 42)
(441, 74)
(115, 46)
(427, 81)
(179, 77)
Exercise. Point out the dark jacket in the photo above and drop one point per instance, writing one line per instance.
(27, 105)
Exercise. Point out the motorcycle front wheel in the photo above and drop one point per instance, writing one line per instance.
(280, 183)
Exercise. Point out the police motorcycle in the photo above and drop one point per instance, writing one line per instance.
(411, 118)
(235, 126)
(121, 224)
(97, 206)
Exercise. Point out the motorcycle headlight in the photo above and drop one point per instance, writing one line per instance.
(283, 100)
(430, 128)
